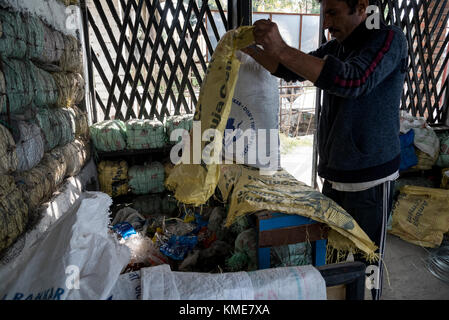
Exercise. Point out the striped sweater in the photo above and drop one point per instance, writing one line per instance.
(362, 82)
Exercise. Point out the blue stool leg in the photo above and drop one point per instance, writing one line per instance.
(264, 258)
(320, 252)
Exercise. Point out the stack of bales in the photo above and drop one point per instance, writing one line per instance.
(44, 135)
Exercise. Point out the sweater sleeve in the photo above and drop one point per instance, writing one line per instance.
(288, 75)
(360, 74)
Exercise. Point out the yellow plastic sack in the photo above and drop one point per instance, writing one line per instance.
(113, 177)
(195, 183)
(421, 215)
(281, 192)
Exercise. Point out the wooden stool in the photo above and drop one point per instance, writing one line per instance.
(278, 229)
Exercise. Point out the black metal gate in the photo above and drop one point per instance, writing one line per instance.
(151, 55)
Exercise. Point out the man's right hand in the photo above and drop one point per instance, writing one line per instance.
(268, 62)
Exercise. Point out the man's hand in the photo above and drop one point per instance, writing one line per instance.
(268, 62)
(266, 33)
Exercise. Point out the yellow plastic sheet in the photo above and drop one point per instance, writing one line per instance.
(195, 183)
(281, 192)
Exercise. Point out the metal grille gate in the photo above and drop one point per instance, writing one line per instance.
(145, 66)
(424, 23)
(150, 55)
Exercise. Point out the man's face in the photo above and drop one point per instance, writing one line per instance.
(339, 19)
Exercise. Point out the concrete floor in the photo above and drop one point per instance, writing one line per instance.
(407, 278)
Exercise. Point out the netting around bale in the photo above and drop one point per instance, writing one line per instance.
(18, 86)
(44, 44)
(55, 166)
(45, 89)
(8, 153)
(29, 144)
(69, 2)
(70, 88)
(66, 120)
(178, 122)
(145, 134)
(76, 155)
(146, 179)
(35, 184)
(81, 123)
(49, 124)
(13, 41)
(13, 212)
(108, 135)
(113, 177)
(72, 58)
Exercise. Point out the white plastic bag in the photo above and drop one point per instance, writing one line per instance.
(127, 287)
(78, 258)
(287, 283)
(425, 139)
(255, 106)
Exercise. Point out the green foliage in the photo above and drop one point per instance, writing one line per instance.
(291, 6)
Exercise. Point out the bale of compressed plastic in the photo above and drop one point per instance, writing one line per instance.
(113, 177)
(13, 41)
(81, 123)
(109, 135)
(8, 152)
(35, 185)
(76, 154)
(45, 90)
(48, 121)
(70, 88)
(148, 178)
(29, 144)
(72, 58)
(13, 212)
(56, 167)
(18, 86)
(66, 121)
(145, 134)
(44, 44)
(172, 123)
(148, 204)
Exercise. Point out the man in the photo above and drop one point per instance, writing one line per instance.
(361, 72)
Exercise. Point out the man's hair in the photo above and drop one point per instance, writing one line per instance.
(352, 4)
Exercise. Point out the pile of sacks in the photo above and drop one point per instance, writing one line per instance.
(44, 135)
(137, 134)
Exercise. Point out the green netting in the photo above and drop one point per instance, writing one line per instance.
(57, 125)
(13, 41)
(29, 144)
(48, 122)
(70, 88)
(108, 135)
(178, 122)
(44, 44)
(145, 134)
(72, 58)
(66, 120)
(18, 86)
(45, 89)
(13, 212)
(147, 178)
